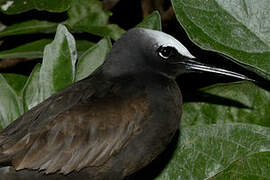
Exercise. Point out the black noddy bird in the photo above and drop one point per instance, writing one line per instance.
(110, 124)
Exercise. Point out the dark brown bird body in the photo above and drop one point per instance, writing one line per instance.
(98, 128)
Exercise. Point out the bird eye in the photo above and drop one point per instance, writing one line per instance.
(167, 52)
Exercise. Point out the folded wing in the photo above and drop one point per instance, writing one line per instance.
(86, 133)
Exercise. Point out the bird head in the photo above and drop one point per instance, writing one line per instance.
(141, 51)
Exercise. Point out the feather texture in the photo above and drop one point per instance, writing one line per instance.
(74, 129)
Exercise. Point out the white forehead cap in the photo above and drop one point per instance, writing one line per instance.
(164, 39)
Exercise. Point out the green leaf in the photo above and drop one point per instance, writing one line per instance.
(58, 66)
(19, 6)
(30, 50)
(114, 31)
(34, 50)
(222, 150)
(153, 21)
(83, 45)
(110, 30)
(87, 13)
(256, 100)
(16, 81)
(10, 105)
(31, 90)
(89, 16)
(237, 28)
(29, 27)
(251, 167)
(92, 58)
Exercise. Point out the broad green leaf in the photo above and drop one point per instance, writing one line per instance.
(206, 151)
(58, 67)
(16, 81)
(153, 21)
(31, 90)
(89, 16)
(256, 100)
(34, 50)
(87, 13)
(29, 27)
(110, 30)
(237, 28)
(252, 167)
(30, 50)
(92, 58)
(19, 6)
(10, 105)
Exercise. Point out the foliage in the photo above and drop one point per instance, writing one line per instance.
(217, 141)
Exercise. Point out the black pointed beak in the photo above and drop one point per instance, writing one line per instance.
(195, 66)
(228, 68)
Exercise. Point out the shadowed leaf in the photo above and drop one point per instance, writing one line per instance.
(257, 99)
(19, 6)
(35, 49)
(30, 50)
(29, 27)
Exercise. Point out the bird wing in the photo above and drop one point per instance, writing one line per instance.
(86, 133)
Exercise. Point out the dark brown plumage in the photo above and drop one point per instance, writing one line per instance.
(93, 126)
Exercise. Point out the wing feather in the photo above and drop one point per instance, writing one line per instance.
(85, 134)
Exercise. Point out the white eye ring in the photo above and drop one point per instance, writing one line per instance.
(164, 57)
(167, 52)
